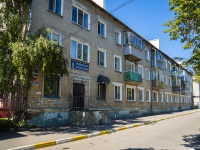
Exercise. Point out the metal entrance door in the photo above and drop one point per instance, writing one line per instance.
(78, 96)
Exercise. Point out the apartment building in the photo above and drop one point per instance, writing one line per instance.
(111, 68)
(196, 93)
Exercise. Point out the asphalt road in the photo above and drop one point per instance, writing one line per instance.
(177, 133)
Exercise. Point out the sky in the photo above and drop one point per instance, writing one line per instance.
(146, 18)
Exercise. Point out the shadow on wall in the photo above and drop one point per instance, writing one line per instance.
(192, 141)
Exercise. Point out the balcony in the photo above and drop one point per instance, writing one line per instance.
(132, 77)
(132, 52)
(184, 78)
(133, 46)
(156, 64)
(157, 84)
(156, 60)
(184, 91)
(176, 89)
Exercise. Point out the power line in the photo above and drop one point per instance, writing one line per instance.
(121, 6)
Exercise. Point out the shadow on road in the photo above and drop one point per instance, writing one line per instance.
(193, 141)
(10, 135)
(139, 149)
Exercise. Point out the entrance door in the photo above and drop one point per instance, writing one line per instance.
(78, 96)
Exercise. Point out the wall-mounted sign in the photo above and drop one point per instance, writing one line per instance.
(79, 66)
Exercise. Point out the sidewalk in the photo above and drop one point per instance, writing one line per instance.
(12, 139)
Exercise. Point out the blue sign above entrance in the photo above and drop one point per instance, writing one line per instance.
(79, 66)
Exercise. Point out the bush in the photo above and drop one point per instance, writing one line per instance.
(5, 124)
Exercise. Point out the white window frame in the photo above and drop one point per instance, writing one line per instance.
(142, 70)
(105, 62)
(85, 12)
(119, 41)
(51, 32)
(166, 80)
(118, 85)
(132, 65)
(156, 96)
(147, 57)
(61, 11)
(105, 29)
(131, 87)
(161, 97)
(181, 99)
(147, 74)
(142, 89)
(166, 97)
(120, 61)
(79, 42)
(149, 95)
(170, 81)
(170, 98)
(170, 66)
(165, 64)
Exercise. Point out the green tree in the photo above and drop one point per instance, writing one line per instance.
(22, 53)
(186, 26)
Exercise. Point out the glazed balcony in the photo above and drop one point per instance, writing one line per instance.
(132, 77)
(156, 59)
(157, 84)
(133, 46)
(184, 79)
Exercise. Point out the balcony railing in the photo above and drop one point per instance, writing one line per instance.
(176, 88)
(157, 84)
(184, 91)
(131, 76)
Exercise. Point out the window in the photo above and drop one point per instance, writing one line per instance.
(161, 96)
(56, 6)
(166, 96)
(169, 82)
(80, 17)
(101, 58)
(54, 37)
(140, 70)
(166, 81)
(101, 28)
(130, 93)
(147, 74)
(148, 97)
(102, 91)
(130, 66)
(169, 66)
(155, 96)
(118, 91)
(51, 86)
(141, 94)
(118, 63)
(117, 37)
(79, 51)
(170, 98)
(147, 54)
(165, 64)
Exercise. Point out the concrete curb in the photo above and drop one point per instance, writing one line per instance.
(84, 136)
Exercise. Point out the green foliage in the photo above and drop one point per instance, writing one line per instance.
(20, 52)
(5, 123)
(186, 26)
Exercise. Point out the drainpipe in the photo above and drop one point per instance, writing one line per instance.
(151, 84)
